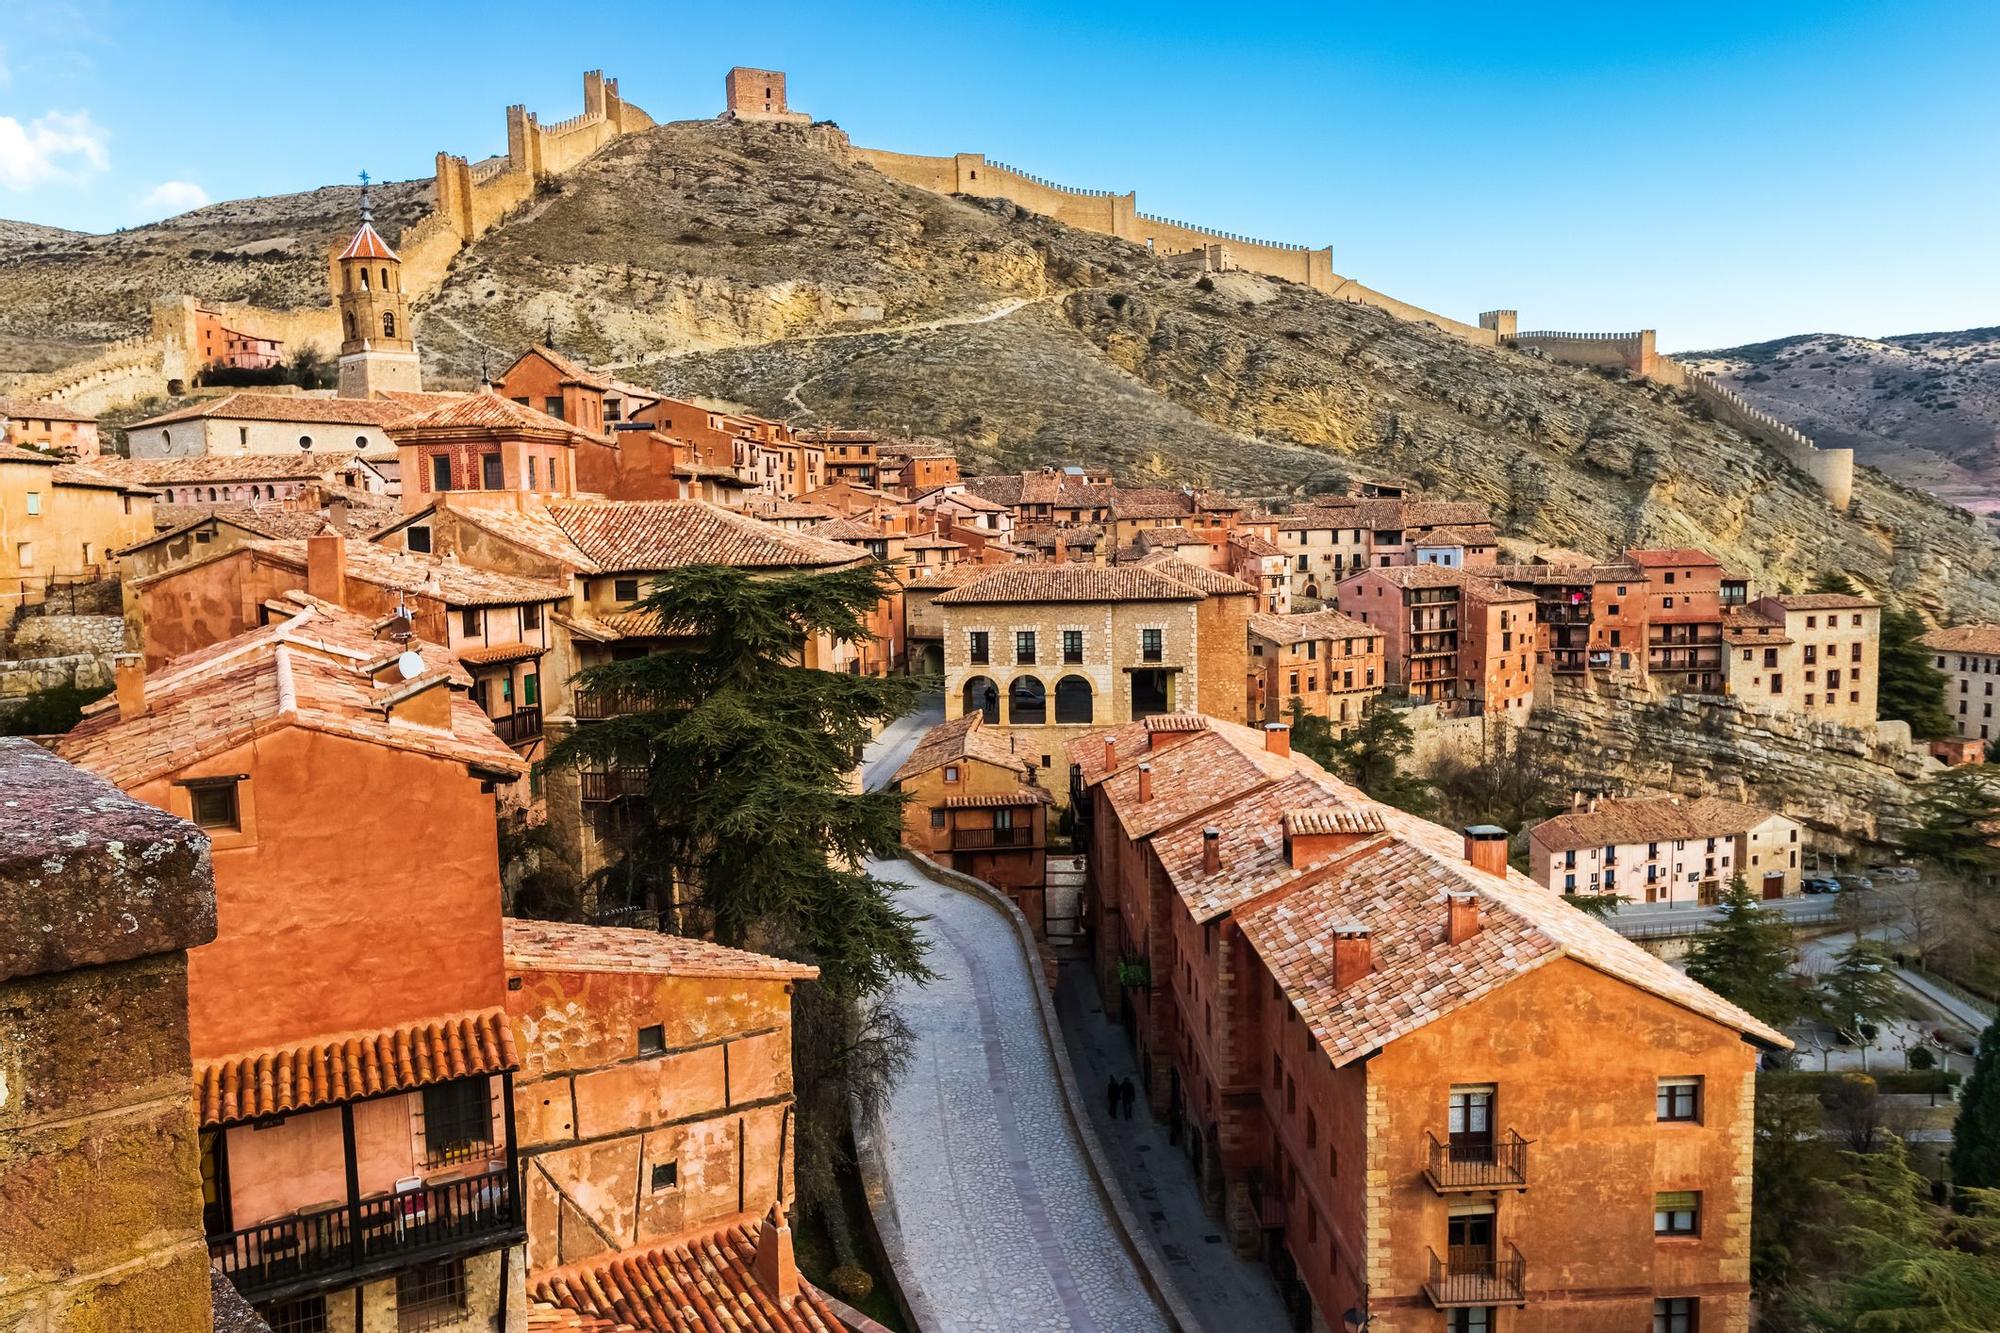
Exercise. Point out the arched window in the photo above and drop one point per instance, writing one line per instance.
(385, 279)
(388, 323)
(350, 326)
(1073, 700)
(364, 279)
(982, 696)
(212, 495)
(1027, 702)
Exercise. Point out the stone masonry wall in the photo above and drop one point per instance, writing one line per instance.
(1853, 788)
(100, 1182)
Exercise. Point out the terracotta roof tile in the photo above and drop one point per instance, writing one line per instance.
(349, 1066)
(367, 243)
(1648, 819)
(18, 409)
(450, 581)
(310, 670)
(556, 946)
(1213, 582)
(667, 534)
(1673, 555)
(301, 465)
(1460, 534)
(495, 654)
(1981, 639)
(1824, 601)
(961, 739)
(1251, 544)
(1009, 584)
(1022, 795)
(486, 411)
(1310, 625)
(249, 406)
(701, 1283)
(532, 529)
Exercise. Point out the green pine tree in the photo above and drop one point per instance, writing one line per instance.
(1746, 957)
(1833, 581)
(1975, 1148)
(1906, 1265)
(1860, 989)
(1910, 688)
(1371, 757)
(749, 832)
(1312, 736)
(1958, 816)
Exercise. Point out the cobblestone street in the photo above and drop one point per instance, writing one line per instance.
(1001, 1223)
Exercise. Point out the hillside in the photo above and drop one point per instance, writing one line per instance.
(762, 265)
(1923, 407)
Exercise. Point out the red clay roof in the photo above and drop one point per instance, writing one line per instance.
(487, 410)
(702, 1283)
(18, 409)
(1010, 584)
(667, 534)
(1823, 601)
(1647, 819)
(1983, 640)
(556, 946)
(349, 1066)
(1311, 625)
(1673, 555)
(367, 243)
(302, 465)
(288, 407)
(961, 739)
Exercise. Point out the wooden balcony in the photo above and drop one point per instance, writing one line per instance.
(600, 786)
(1484, 1165)
(519, 727)
(1477, 1275)
(990, 839)
(345, 1243)
(600, 705)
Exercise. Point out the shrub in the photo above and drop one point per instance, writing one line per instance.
(1921, 1059)
(853, 1284)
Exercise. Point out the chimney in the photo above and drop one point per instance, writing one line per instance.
(777, 1266)
(336, 512)
(1486, 849)
(1062, 547)
(1278, 738)
(1145, 783)
(130, 673)
(1211, 851)
(1461, 917)
(1353, 956)
(1110, 754)
(326, 568)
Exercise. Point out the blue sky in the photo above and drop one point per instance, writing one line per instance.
(1722, 172)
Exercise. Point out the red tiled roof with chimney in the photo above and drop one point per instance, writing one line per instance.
(1647, 819)
(349, 1066)
(1673, 555)
(293, 407)
(960, 739)
(487, 410)
(315, 669)
(1982, 640)
(667, 534)
(1310, 625)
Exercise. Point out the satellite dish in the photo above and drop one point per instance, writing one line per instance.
(411, 665)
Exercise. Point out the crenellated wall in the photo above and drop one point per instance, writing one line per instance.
(469, 202)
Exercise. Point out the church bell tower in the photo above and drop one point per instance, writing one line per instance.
(376, 350)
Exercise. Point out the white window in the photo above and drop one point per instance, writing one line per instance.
(34, 502)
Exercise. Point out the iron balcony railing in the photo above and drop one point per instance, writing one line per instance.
(977, 839)
(1484, 1164)
(311, 1250)
(597, 786)
(1477, 1275)
(523, 724)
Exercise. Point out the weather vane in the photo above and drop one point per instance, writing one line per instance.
(367, 213)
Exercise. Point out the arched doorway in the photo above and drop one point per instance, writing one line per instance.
(1073, 699)
(982, 696)
(1027, 702)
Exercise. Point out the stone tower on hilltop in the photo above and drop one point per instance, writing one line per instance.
(376, 349)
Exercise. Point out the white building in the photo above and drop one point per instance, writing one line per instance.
(1969, 656)
(1666, 849)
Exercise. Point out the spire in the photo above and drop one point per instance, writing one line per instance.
(549, 332)
(367, 213)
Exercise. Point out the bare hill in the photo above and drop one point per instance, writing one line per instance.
(761, 264)
(1923, 407)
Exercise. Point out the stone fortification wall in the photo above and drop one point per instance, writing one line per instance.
(1853, 787)
(469, 202)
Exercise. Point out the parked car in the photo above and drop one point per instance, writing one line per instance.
(1900, 874)
(1856, 883)
(1818, 884)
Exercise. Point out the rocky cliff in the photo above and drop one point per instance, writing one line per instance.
(1855, 789)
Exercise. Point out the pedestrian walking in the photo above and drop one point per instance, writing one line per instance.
(1111, 1097)
(1126, 1094)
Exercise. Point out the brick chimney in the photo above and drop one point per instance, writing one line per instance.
(326, 568)
(1278, 738)
(1486, 849)
(1461, 917)
(1145, 783)
(1211, 851)
(1062, 547)
(129, 670)
(777, 1266)
(1110, 754)
(1353, 955)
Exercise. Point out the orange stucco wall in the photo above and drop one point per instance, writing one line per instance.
(594, 1116)
(324, 930)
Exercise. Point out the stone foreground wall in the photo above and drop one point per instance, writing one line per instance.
(1853, 788)
(100, 1180)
